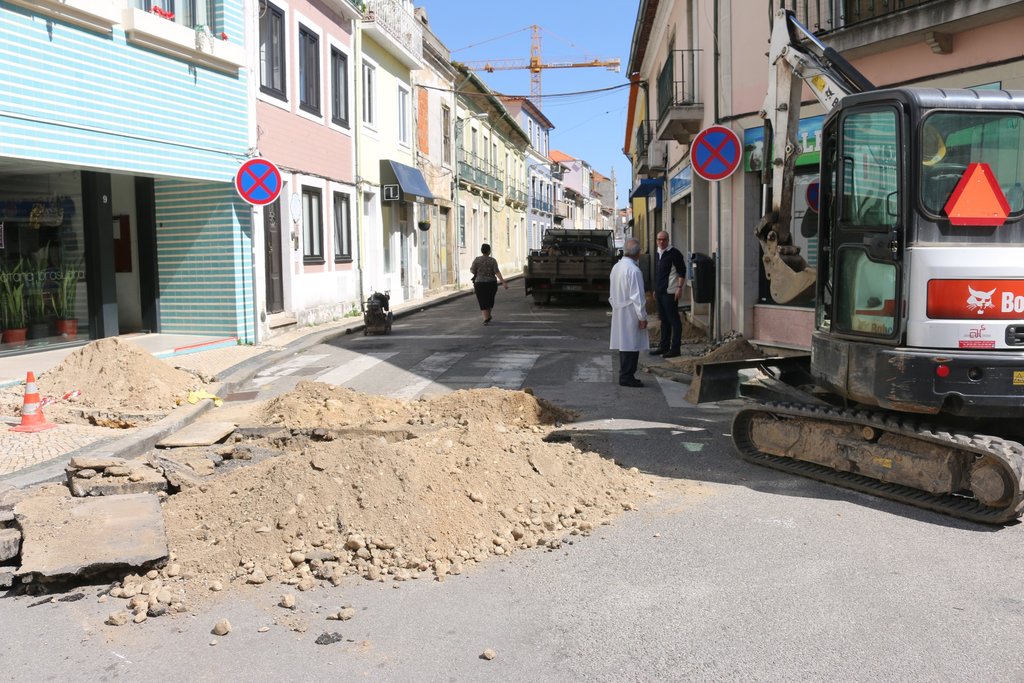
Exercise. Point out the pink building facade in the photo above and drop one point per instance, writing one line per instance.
(685, 80)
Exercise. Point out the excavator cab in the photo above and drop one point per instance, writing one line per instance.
(918, 263)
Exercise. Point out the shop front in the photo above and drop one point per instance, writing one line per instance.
(76, 257)
(789, 325)
(43, 283)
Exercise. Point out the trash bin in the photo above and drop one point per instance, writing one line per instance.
(703, 268)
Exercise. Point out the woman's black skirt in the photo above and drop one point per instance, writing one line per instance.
(485, 292)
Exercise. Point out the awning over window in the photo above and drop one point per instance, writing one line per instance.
(403, 183)
(646, 188)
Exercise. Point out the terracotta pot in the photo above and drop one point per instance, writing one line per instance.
(67, 328)
(15, 336)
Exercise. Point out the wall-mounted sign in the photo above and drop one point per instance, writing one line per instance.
(258, 182)
(716, 153)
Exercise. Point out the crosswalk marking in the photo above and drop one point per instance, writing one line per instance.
(511, 370)
(594, 369)
(427, 370)
(355, 367)
(289, 366)
(446, 371)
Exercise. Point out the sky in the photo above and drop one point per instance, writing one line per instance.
(591, 127)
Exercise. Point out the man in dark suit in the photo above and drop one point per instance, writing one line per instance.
(669, 274)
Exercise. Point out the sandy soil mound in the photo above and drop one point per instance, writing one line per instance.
(457, 479)
(732, 349)
(313, 404)
(115, 374)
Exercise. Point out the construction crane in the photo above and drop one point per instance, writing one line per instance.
(535, 65)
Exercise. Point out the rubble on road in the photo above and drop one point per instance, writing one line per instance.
(324, 483)
(733, 347)
(111, 383)
(108, 476)
(65, 536)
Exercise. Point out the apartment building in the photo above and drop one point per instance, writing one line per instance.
(694, 63)
(540, 186)
(307, 266)
(491, 198)
(115, 216)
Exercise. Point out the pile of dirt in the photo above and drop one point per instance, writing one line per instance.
(115, 374)
(691, 333)
(736, 348)
(385, 489)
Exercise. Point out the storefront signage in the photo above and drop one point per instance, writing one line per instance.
(681, 182)
(391, 193)
(808, 137)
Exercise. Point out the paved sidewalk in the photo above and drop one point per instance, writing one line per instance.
(27, 459)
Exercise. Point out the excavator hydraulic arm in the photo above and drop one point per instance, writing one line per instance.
(830, 78)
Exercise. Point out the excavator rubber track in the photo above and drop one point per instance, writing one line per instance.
(1003, 456)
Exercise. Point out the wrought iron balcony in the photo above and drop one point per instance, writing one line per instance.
(644, 138)
(387, 20)
(478, 171)
(823, 16)
(680, 111)
(515, 193)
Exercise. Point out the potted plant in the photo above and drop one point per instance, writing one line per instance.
(12, 305)
(34, 279)
(64, 298)
(423, 225)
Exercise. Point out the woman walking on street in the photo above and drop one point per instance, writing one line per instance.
(486, 278)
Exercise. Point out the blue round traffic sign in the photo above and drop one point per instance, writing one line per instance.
(258, 182)
(813, 192)
(715, 153)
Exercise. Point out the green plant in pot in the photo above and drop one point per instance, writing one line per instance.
(12, 304)
(34, 278)
(65, 296)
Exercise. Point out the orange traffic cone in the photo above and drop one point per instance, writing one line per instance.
(32, 418)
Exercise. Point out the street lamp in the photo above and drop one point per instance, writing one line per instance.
(460, 124)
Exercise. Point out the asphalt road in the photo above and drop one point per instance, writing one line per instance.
(732, 572)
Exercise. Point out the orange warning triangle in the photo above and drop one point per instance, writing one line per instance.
(978, 199)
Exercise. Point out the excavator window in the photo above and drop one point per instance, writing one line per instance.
(866, 301)
(870, 179)
(952, 140)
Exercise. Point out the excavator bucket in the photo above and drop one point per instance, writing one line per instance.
(726, 380)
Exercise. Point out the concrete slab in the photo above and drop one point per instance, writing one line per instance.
(80, 536)
(198, 434)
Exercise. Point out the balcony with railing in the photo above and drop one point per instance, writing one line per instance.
(856, 24)
(541, 205)
(644, 137)
(562, 208)
(390, 25)
(515, 193)
(680, 111)
(478, 171)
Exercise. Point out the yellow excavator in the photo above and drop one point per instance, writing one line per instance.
(914, 386)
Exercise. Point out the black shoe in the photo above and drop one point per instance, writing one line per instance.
(631, 383)
(656, 352)
(670, 354)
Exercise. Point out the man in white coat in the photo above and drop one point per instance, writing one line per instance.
(629, 313)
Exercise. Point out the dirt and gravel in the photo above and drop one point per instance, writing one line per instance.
(116, 384)
(324, 483)
(387, 490)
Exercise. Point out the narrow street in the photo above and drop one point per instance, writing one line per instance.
(730, 572)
